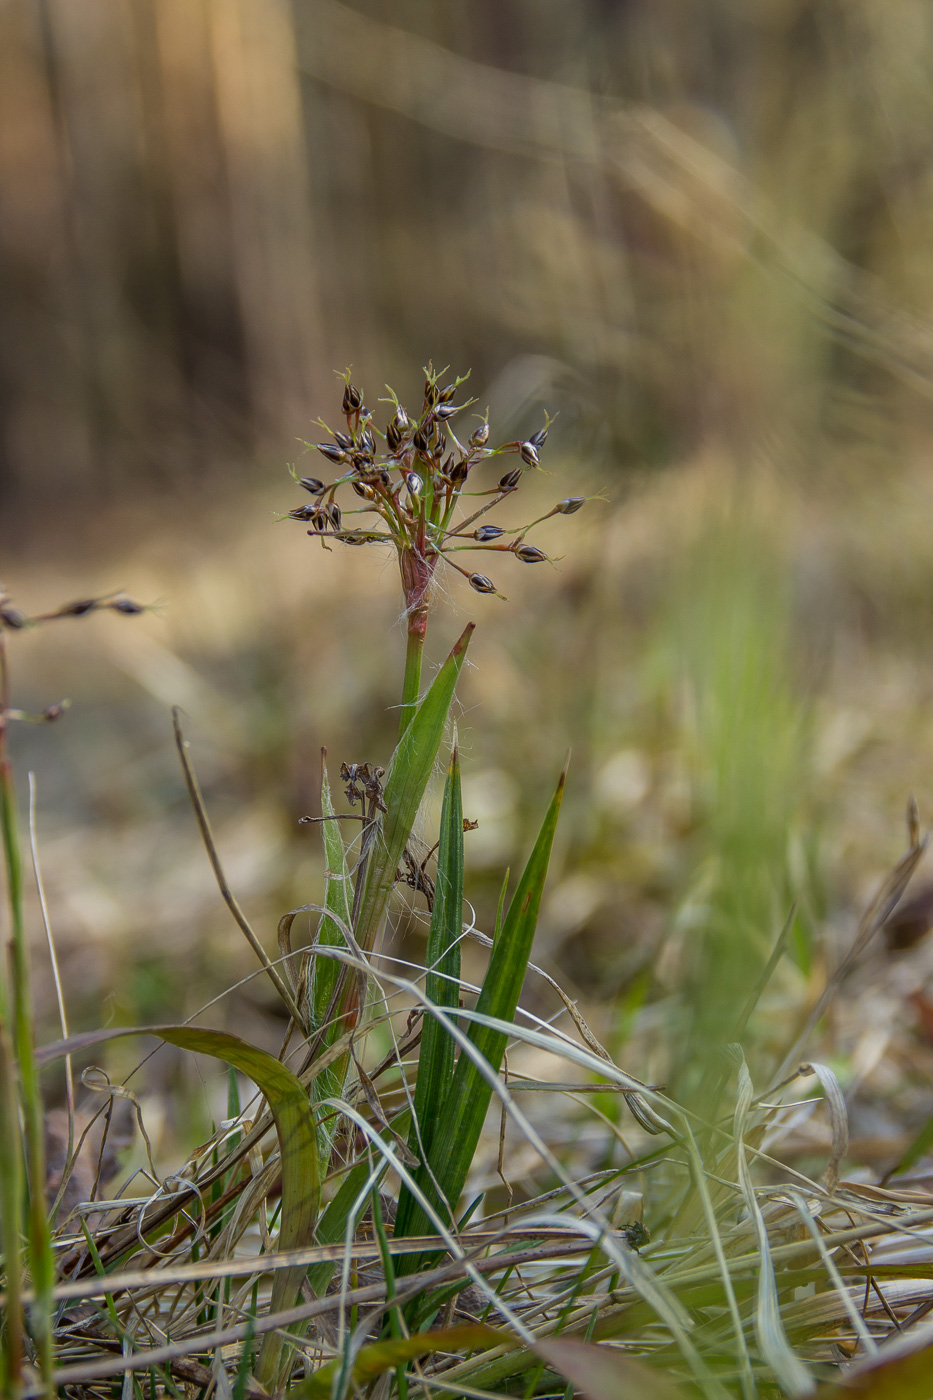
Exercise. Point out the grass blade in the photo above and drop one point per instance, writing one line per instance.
(460, 1120)
(294, 1125)
(409, 771)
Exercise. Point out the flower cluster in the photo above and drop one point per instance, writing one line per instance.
(412, 478)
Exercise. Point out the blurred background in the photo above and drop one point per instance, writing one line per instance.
(699, 235)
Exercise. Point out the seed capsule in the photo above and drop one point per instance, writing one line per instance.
(510, 480)
(480, 437)
(482, 584)
(431, 393)
(570, 504)
(531, 554)
(307, 512)
(539, 438)
(448, 393)
(332, 452)
(79, 609)
(393, 437)
(529, 453)
(343, 440)
(440, 446)
(368, 442)
(332, 512)
(12, 617)
(352, 398)
(487, 532)
(312, 484)
(422, 441)
(459, 472)
(362, 489)
(414, 483)
(318, 523)
(446, 410)
(53, 712)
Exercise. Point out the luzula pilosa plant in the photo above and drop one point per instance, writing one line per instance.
(414, 477)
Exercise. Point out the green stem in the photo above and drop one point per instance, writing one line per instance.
(411, 688)
(40, 1249)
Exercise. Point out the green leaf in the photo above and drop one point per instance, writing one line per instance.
(436, 1059)
(337, 900)
(409, 771)
(378, 1357)
(294, 1125)
(460, 1120)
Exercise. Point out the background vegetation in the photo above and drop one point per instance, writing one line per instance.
(700, 236)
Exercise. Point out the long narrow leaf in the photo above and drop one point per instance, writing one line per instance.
(409, 771)
(294, 1125)
(436, 1058)
(337, 900)
(460, 1120)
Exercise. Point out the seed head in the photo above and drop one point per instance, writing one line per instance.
(332, 511)
(446, 410)
(393, 436)
(332, 452)
(539, 438)
(570, 505)
(368, 442)
(459, 471)
(487, 532)
(431, 392)
(510, 480)
(303, 512)
(363, 489)
(12, 617)
(343, 440)
(480, 437)
(312, 484)
(482, 584)
(530, 554)
(529, 453)
(422, 442)
(352, 398)
(414, 483)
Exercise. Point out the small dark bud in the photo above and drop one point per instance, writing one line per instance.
(482, 584)
(570, 504)
(312, 484)
(332, 512)
(79, 609)
(12, 617)
(368, 442)
(440, 446)
(361, 489)
(539, 438)
(531, 554)
(54, 712)
(318, 523)
(481, 436)
(402, 420)
(448, 393)
(459, 471)
(303, 512)
(127, 607)
(332, 452)
(362, 462)
(510, 480)
(446, 410)
(422, 441)
(487, 532)
(529, 453)
(352, 399)
(414, 483)
(431, 393)
(343, 440)
(393, 437)
(365, 414)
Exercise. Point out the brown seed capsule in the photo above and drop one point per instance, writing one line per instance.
(352, 398)
(530, 554)
(510, 480)
(539, 438)
(482, 584)
(79, 609)
(431, 393)
(12, 617)
(481, 436)
(368, 442)
(343, 440)
(422, 441)
(362, 489)
(570, 504)
(446, 410)
(459, 471)
(440, 446)
(332, 511)
(487, 532)
(312, 484)
(448, 392)
(414, 483)
(332, 452)
(318, 523)
(303, 512)
(529, 453)
(393, 437)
